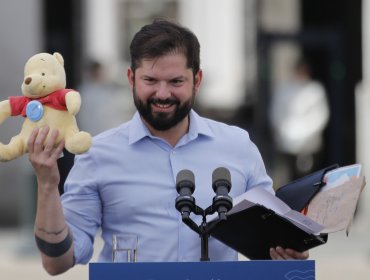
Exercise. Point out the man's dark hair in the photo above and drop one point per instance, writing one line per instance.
(163, 37)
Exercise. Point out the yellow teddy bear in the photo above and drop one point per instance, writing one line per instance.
(45, 102)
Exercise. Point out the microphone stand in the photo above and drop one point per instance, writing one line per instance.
(204, 229)
(185, 203)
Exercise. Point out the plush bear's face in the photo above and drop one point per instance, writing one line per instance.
(43, 74)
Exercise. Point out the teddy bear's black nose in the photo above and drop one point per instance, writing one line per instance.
(28, 80)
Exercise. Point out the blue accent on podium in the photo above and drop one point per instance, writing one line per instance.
(241, 270)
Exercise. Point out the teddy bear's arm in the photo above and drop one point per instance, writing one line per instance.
(5, 110)
(73, 102)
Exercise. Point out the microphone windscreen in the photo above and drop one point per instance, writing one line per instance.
(185, 175)
(221, 173)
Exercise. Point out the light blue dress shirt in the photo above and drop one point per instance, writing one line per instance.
(126, 184)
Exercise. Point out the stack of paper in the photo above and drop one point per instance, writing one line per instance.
(335, 205)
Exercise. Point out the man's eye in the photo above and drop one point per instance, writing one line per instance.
(177, 82)
(149, 80)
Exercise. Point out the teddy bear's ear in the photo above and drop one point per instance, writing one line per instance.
(59, 57)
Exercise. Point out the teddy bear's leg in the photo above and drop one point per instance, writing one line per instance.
(14, 149)
(78, 143)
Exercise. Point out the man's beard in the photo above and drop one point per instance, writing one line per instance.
(160, 120)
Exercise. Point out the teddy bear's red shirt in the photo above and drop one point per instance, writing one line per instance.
(55, 100)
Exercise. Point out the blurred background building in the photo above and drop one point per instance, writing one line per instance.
(248, 48)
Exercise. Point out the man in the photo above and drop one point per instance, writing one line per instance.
(299, 115)
(126, 182)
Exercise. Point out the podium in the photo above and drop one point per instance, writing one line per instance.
(238, 270)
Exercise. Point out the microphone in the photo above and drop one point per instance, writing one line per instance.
(221, 184)
(185, 186)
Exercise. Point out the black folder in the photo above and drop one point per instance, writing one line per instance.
(253, 231)
(297, 194)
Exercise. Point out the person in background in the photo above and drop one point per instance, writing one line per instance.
(104, 103)
(299, 115)
(125, 184)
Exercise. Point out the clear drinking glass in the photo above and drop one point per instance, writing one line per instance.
(124, 247)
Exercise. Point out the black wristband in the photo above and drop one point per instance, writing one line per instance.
(54, 249)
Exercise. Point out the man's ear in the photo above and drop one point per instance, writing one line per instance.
(198, 80)
(131, 77)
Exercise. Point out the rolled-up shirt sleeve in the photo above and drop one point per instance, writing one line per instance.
(82, 206)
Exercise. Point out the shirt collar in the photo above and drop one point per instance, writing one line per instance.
(198, 126)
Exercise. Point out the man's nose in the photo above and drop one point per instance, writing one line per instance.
(163, 91)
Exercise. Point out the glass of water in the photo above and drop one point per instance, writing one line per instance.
(124, 247)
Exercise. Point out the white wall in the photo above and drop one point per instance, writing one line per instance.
(363, 116)
(20, 31)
